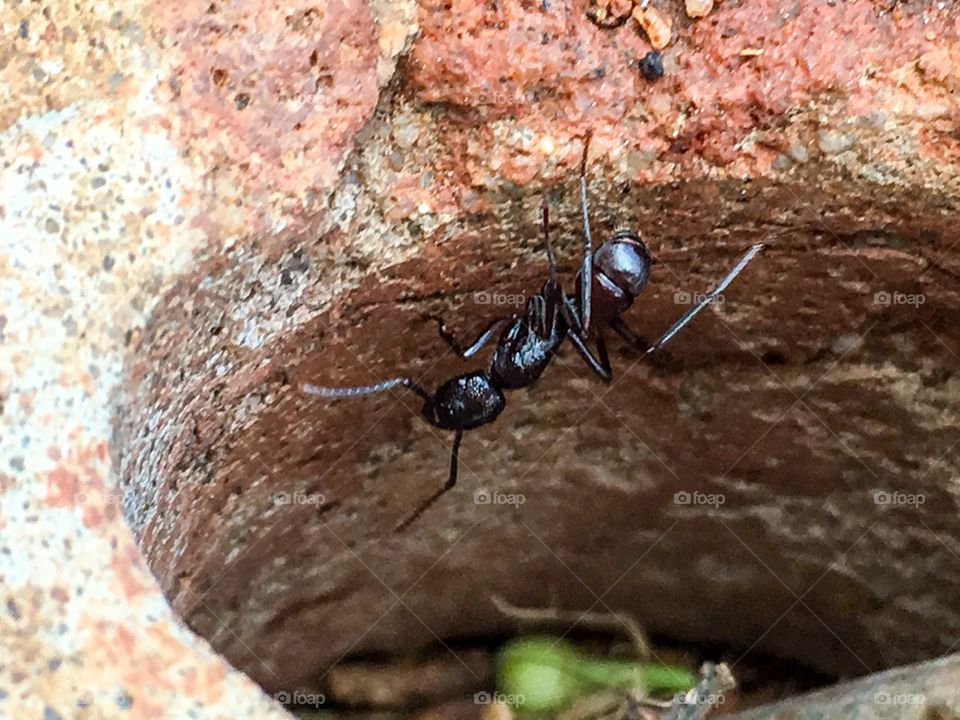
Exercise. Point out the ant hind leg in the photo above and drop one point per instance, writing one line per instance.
(586, 267)
(706, 300)
(601, 365)
(660, 359)
(624, 331)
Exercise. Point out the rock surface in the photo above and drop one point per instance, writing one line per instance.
(222, 203)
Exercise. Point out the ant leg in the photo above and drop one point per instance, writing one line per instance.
(660, 360)
(624, 331)
(600, 366)
(602, 351)
(476, 345)
(451, 481)
(586, 268)
(570, 313)
(331, 392)
(695, 310)
(551, 259)
(552, 292)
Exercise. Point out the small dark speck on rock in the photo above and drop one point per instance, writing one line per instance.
(285, 277)
(651, 66)
(50, 714)
(598, 73)
(124, 700)
(17, 463)
(24, 29)
(108, 262)
(13, 609)
(97, 182)
(241, 100)
(300, 262)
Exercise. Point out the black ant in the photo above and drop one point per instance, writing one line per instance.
(619, 270)
(527, 343)
(524, 349)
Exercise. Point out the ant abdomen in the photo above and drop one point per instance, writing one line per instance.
(465, 402)
(621, 267)
(625, 261)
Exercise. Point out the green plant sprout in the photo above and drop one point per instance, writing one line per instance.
(547, 674)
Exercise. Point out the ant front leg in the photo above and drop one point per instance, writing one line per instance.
(474, 347)
(451, 482)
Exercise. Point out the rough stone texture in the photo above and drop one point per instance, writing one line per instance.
(104, 203)
(798, 402)
(927, 691)
(177, 259)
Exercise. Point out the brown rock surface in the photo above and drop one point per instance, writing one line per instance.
(267, 515)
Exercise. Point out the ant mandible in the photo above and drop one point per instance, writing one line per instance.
(618, 271)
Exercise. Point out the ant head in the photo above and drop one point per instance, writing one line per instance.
(625, 261)
(465, 402)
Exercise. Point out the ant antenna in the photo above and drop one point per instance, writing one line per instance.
(695, 310)
(366, 389)
(451, 481)
(586, 270)
(551, 259)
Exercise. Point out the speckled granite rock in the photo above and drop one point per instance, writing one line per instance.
(203, 206)
(111, 186)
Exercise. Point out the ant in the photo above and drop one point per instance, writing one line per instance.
(524, 349)
(618, 271)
